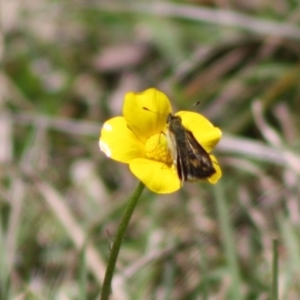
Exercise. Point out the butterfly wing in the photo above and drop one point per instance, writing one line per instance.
(200, 165)
(190, 158)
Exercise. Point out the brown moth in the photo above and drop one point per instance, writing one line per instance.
(192, 162)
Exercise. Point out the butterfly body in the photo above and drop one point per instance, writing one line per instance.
(192, 162)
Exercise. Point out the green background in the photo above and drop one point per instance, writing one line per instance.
(65, 67)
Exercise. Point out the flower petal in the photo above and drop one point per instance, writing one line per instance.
(215, 177)
(158, 177)
(205, 132)
(145, 123)
(119, 142)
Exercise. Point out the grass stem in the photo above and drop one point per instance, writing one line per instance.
(118, 241)
(275, 270)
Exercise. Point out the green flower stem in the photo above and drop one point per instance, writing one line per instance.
(275, 270)
(118, 241)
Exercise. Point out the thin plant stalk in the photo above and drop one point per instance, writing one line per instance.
(228, 241)
(275, 270)
(105, 292)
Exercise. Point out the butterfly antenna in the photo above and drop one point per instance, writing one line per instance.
(197, 103)
(145, 108)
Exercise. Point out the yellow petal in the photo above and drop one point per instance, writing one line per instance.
(158, 177)
(145, 123)
(119, 142)
(215, 177)
(205, 132)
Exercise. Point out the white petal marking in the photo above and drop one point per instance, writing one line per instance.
(104, 147)
(107, 127)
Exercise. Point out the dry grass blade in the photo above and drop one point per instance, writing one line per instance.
(213, 16)
(260, 152)
(61, 124)
(77, 235)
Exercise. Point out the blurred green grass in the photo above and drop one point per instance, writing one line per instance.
(65, 67)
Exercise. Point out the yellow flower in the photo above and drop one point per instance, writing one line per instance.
(138, 139)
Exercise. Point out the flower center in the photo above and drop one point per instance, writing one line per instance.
(157, 149)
